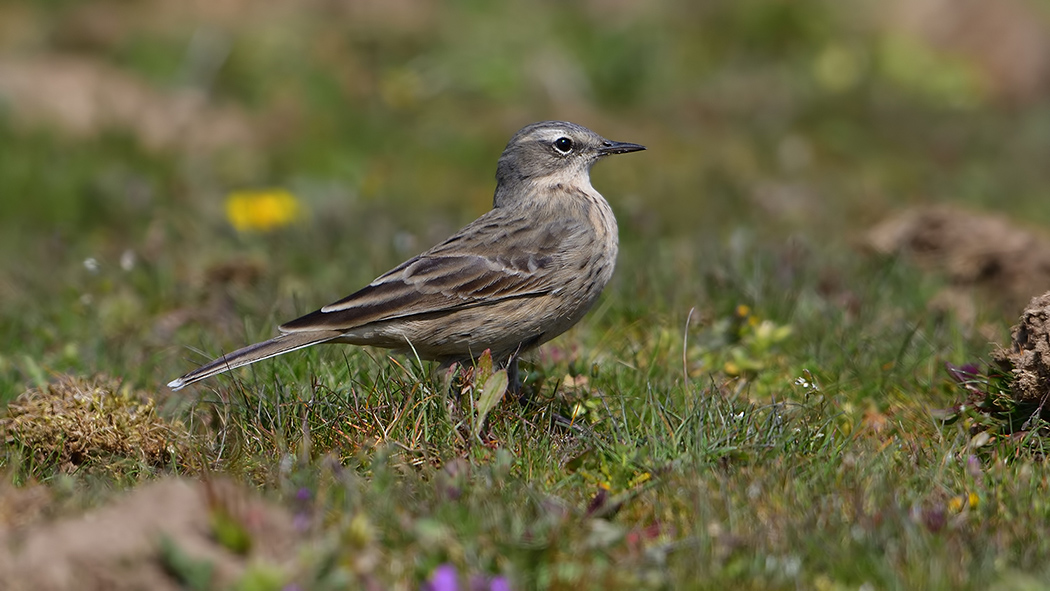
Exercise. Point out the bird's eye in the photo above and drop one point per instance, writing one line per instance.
(563, 145)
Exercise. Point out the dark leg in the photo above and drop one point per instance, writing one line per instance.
(513, 377)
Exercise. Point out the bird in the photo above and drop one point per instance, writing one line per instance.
(521, 274)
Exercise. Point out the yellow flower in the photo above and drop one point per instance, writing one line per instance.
(261, 210)
(956, 504)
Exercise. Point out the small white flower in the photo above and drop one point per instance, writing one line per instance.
(127, 260)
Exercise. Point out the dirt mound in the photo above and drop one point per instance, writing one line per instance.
(84, 98)
(1028, 359)
(160, 536)
(1003, 43)
(1010, 263)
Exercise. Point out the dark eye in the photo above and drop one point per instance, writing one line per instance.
(563, 145)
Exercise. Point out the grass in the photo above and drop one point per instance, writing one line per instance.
(749, 403)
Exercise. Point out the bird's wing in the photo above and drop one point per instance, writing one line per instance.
(459, 273)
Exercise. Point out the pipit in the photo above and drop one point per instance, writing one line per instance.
(516, 277)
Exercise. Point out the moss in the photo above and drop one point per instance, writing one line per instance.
(76, 421)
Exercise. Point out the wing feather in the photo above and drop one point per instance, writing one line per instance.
(456, 274)
(448, 284)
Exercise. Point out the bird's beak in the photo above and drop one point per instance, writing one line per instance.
(611, 147)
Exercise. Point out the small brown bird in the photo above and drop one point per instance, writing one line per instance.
(516, 277)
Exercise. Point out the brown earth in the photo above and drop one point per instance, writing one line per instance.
(84, 97)
(1028, 358)
(1005, 262)
(121, 546)
(1005, 42)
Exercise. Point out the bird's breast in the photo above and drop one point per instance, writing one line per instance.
(588, 250)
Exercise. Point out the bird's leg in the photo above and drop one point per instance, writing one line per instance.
(514, 385)
(513, 376)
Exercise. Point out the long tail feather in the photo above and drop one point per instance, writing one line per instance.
(257, 352)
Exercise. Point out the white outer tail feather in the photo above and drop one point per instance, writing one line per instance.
(276, 346)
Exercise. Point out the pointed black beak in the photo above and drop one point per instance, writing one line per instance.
(611, 147)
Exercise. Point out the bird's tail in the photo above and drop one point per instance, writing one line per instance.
(257, 352)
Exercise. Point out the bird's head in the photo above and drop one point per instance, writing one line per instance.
(551, 153)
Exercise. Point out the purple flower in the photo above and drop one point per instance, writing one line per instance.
(973, 466)
(483, 583)
(963, 374)
(444, 578)
(301, 518)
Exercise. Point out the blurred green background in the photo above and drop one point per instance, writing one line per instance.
(125, 125)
